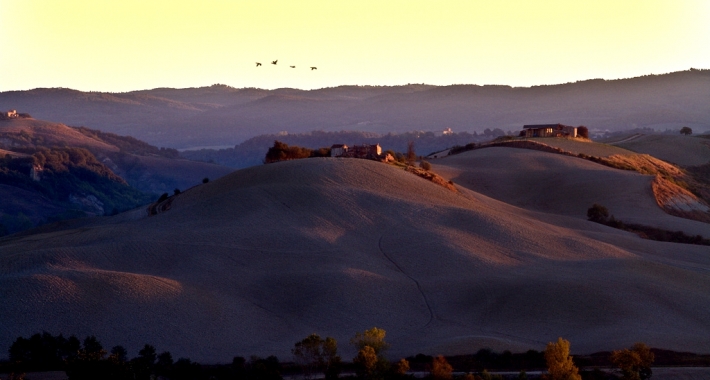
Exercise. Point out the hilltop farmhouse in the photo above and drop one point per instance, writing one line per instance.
(548, 130)
(372, 152)
(12, 114)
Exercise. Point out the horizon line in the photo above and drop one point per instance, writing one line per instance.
(692, 69)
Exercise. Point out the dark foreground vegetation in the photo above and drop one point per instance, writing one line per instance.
(316, 357)
(600, 214)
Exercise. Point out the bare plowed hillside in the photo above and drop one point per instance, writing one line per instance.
(257, 260)
(563, 185)
(681, 150)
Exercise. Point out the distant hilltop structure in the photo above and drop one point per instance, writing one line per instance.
(12, 114)
(548, 130)
(372, 152)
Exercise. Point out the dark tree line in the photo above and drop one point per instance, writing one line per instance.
(283, 152)
(89, 360)
(600, 214)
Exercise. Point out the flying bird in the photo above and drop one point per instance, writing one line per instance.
(274, 62)
(314, 68)
(293, 67)
(258, 64)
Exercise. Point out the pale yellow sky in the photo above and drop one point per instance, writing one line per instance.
(140, 44)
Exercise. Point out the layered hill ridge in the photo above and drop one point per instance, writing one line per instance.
(223, 116)
(253, 262)
(57, 172)
(144, 166)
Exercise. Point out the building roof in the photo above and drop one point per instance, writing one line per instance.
(338, 146)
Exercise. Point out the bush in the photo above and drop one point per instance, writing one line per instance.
(598, 213)
(425, 165)
(686, 131)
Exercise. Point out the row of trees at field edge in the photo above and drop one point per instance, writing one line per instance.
(313, 357)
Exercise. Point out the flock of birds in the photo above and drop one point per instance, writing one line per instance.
(277, 61)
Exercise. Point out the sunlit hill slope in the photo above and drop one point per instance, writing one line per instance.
(252, 262)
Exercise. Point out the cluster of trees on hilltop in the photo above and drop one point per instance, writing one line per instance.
(315, 357)
(282, 152)
(251, 152)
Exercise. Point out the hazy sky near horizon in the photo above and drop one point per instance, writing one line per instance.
(141, 44)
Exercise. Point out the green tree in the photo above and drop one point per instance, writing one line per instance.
(634, 363)
(686, 131)
(559, 362)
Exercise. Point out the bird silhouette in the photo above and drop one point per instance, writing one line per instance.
(258, 64)
(274, 62)
(293, 67)
(314, 68)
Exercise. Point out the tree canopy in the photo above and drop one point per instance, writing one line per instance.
(634, 363)
(559, 362)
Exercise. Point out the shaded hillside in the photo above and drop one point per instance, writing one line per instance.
(147, 168)
(253, 262)
(567, 185)
(223, 116)
(60, 183)
(51, 172)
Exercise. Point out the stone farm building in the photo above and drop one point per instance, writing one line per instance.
(11, 114)
(549, 130)
(372, 152)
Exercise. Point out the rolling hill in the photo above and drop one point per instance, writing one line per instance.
(143, 166)
(262, 257)
(223, 116)
(562, 185)
(682, 150)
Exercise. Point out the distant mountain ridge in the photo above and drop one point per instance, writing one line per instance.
(220, 115)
